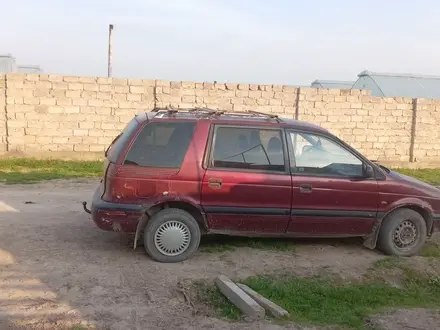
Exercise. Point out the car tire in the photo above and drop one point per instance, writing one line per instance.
(171, 235)
(403, 233)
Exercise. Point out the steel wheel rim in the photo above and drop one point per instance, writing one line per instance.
(172, 238)
(405, 235)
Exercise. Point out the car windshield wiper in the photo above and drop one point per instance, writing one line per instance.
(386, 169)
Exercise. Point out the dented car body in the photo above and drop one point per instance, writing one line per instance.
(253, 174)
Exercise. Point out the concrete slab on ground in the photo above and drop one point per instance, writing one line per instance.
(239, 298)
(268, 305)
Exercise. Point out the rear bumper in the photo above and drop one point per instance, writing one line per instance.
(114, 216)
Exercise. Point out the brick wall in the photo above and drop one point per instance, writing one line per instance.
(77, 117)
(70, 114)
(427, 135)
(378, 127)
(232, 97)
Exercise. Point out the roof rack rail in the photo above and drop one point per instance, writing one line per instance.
(201, 110)
(170, 109)
(213, 112)
(209, 111)
(263, 114)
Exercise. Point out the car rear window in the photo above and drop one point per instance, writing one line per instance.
(120, 141)
(161, 144)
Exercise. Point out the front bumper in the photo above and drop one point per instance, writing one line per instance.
(114, 216)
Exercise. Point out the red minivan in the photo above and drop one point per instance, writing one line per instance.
(174, 175)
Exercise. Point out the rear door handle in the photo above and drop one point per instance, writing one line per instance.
(305, 188)
(215, 183)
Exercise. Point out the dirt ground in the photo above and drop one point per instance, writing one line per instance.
(58, 271)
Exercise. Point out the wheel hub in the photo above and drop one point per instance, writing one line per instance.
(172, 238)
(405, 234)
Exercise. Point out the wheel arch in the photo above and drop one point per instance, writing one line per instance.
(370, 241)
(185, 205)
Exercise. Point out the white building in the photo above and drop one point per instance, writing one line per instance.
(9, 64)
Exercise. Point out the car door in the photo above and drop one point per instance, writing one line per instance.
(247, 183)
(331, 194)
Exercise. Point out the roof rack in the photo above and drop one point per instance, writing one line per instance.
(168, 109)
(213, 112)
(208, 111)
(198, 111)
(267, 115)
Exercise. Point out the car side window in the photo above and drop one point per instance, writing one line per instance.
(319, 156)
(161, 145)
(248, 149)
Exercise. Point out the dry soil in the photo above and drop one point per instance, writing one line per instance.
(58, 271)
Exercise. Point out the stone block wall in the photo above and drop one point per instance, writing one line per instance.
(70, 114)
(427, 131)
(378, 127)
(77, 117)
(230, 96)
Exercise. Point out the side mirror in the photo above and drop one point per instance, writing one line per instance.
(368, 171)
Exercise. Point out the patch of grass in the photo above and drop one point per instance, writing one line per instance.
(387, 263)
(431, 250)
(325, 302)
(210, 295)
(431, 176)
(223, 243)
(395, 268)
(78, 327)
(28, 170)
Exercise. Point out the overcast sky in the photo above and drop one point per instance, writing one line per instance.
(279, 41)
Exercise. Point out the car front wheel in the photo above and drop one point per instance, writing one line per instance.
(403, 233)
(171, 235)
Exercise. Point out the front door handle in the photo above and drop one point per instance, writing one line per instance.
(215, 183)
(305, 188)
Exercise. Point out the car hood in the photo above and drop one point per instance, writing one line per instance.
(414, 186)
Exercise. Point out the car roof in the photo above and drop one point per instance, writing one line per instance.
(248, 118)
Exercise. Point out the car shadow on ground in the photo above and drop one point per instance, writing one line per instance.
(220, 243)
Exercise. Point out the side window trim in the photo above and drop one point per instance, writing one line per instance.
(291, 161)
(336, 142)
(287, 160)
(209, 158)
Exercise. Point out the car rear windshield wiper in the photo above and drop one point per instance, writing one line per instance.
(130, 162)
